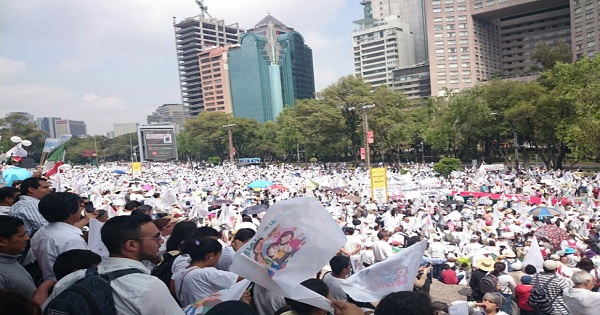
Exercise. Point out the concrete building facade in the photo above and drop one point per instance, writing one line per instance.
(585, 28)
(380, 46)
(193, 36)
(216, 91)
(471, 41)
(46, 124)
(76, 128)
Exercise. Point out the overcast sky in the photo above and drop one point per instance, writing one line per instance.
(114, 60)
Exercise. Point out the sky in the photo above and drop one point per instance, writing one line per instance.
(114, 61)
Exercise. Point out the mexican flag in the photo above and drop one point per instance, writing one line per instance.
(56, 154)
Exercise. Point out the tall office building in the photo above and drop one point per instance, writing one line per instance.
(380, 46)
(585, 28)
(47, 124)
(216, 91)
(172, 114)
(271, 68)
(192, 36)
(471, 41)
(76, 128)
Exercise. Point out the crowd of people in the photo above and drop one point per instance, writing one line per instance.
(525, 242)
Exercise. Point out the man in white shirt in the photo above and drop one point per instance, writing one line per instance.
(382, 250)
(353, 243)
(340, 269)
(62, 210)
(129, 240)
(580, 299)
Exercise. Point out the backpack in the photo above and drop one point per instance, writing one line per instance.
(488, 283)
(163, 271)
(539, 298)
(90, 295)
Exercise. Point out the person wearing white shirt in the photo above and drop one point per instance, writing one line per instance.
(130, 239)
(201, 279)
(340, 269)
(62, 210)
(580, 299)
(382, 250)
(353, 242)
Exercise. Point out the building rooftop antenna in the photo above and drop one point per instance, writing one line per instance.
(203, 9)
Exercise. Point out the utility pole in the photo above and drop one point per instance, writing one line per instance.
(131, 147)
(230, 137)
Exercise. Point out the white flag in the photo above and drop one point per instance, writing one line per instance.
(296, 238)
(397, 273)
(233, 293)
(534, 256)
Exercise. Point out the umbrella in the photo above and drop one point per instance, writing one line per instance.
(278, 187)
(218, 202)
(118, 172)
(340, 191)
(256, 209)
(355, 199)
(260, 184)
(14, 173)
(135, 180)
(147, 187)
(544, 211)
(553, 233)
(162, 183)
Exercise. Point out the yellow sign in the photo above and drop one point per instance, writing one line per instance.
(136, 169)
(379, 185)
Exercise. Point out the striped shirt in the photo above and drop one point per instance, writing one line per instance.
(26, 209)
(554, 289)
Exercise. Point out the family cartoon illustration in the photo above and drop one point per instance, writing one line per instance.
(274, 250)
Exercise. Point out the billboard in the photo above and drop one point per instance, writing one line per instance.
(157, 143)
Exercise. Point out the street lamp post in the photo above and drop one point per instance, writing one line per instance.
(366, 132)
(230, 137)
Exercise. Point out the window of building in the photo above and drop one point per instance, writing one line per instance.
(452, 50)
(437, 27)
(463, 34)
(437, 20)
(578, 38)
(466, 64)
(437, 10)
(454, 81)
(466, 80)
(589, 16)
(462, 17)
(464, 41)
(462, 8)
(448, 1)
(453, 65)
(453, 73)
(464, 49)
(436, 2)
(591, 34)
(450, 26)
(462, 26)
(441, 74)
(478, 5)
(441, 66)
(578, 29)
(440, 51)
(440, 58)
(449, 19)
(589, 6)
(449, 9)
(439, 43)
(466, 72)
(451, 34)
(452, 58)
(451, 43)
(441, 82)
(465, 57)
(591, 44)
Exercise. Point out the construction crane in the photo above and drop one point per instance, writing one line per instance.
(203, 9)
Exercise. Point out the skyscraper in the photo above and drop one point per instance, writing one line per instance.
(271, 68)
(192, 36)
(47, 124)
(215, 80)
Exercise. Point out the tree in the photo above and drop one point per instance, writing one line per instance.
(19, 125)
(446, 166)
(548, 56)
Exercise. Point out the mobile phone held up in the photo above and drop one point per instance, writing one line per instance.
(89, 206)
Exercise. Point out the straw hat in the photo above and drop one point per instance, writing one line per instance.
(485, 264)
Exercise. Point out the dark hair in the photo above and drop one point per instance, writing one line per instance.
(232, 307)
(381, 234)
(348, 230)
(198, 249)
(406, 303)
(243, 235)
(181, 232)
(31, 182)
(313, 284)
(16, 304)
(585, 264)
(138, 212)
(9, 226)
(118, 230)
(8, 192)
(74, 259)
(530, 270)
(131, 205)
(499, 267)
(57, 207)
(337, 263)
(204, 232)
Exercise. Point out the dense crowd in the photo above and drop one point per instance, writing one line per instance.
(525, 242)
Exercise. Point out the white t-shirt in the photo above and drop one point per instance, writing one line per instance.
(199, 283)
(181, 262)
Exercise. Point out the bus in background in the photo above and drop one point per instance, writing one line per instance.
(249, 160)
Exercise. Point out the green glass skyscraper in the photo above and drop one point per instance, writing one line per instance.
(271, 68)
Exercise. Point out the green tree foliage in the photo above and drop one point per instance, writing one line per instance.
(446, 166)
(18, 125)
(547, 56)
